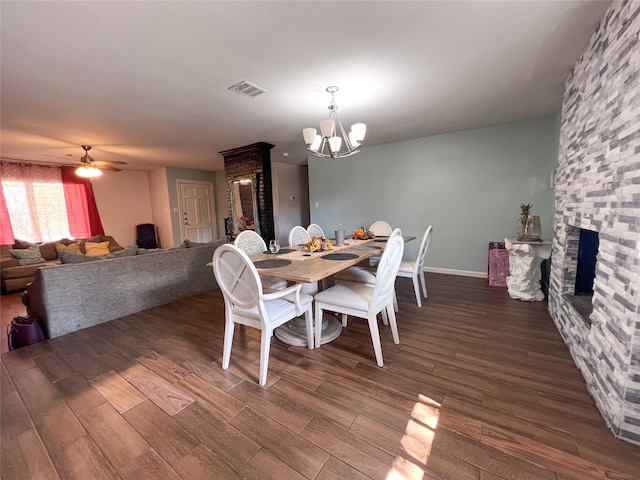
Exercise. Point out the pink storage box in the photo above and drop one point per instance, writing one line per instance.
(498, 267)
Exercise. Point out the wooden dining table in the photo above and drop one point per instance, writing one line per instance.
(297, 265)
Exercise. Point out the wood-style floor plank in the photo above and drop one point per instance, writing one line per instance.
(117, 391)
(25, 458)
(168, 397)
(114, 436)
(165, 435)
(480, 387)
(294, 450)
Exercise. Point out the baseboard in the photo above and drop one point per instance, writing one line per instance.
(462, 273)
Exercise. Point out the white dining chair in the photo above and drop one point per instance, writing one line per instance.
(415, 270)
(379, 229)
(246, 303)
(364, 300)
(298, 236)
(365, 275)
(315, 230)
(250, 242)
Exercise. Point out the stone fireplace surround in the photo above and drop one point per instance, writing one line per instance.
(598, 188)
(248, 161)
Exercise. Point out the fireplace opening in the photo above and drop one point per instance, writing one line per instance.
(581, 300)
(586, 269)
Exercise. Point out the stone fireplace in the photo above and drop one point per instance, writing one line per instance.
(252, 161)
(598, 189)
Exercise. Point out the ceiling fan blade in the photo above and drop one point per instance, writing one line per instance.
(69, 159)
(109, 162)
(108, 167)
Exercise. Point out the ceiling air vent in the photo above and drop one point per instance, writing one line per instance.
(247, 89)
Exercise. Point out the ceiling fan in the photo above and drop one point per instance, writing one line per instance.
(91, 168)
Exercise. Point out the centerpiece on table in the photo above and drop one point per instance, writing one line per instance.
(362, 234)
(318, 244)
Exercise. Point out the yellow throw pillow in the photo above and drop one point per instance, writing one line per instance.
(95, 249)
(71, 248)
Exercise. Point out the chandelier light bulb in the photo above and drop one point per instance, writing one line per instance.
(358, 130)
(317, 141)
(335, 143)
(327, 127)
(309, 135)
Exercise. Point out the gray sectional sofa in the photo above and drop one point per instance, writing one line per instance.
(73, 296)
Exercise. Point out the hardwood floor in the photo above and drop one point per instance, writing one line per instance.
(481, 387)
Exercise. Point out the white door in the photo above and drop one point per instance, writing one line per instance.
(196, 211)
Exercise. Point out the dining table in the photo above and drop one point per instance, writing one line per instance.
(297, 264)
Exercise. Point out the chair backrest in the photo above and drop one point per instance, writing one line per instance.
(298, 235)
(315, 230)
(237, 277)
(381, 228)
(422, 250)
(250, 242)
(388, 267)
(146, 235)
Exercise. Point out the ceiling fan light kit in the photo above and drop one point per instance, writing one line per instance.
(89, 168)
(86, 171)
(333, 135)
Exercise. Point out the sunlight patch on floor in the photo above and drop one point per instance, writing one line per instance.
(416, 441)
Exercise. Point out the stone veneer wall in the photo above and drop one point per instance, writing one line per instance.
(247, 161)
(598, 188)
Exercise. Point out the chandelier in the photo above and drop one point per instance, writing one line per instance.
(86, 171)
(333, 136)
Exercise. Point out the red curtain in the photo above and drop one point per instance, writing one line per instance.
(6, 232)
(82, 211)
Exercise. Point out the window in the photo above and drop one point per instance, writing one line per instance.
(46, 203)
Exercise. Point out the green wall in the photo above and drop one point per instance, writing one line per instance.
(469, 185)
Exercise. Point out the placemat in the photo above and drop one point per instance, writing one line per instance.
(275, 263)
(381, 239)
(282, 251)
(365, 247)
(339, 256)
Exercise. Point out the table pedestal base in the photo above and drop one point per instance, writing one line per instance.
(295, 332)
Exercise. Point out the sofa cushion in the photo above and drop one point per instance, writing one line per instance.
(9, 262)
(22, 244)
(48, 250)
(95, 249)
(113, 245)
(28, 256)
(125, 252)
(68, 257)
(68, 248)
(144, 251)
(189, 244)
(26, 271)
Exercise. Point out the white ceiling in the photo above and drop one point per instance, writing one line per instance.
(146, 81)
